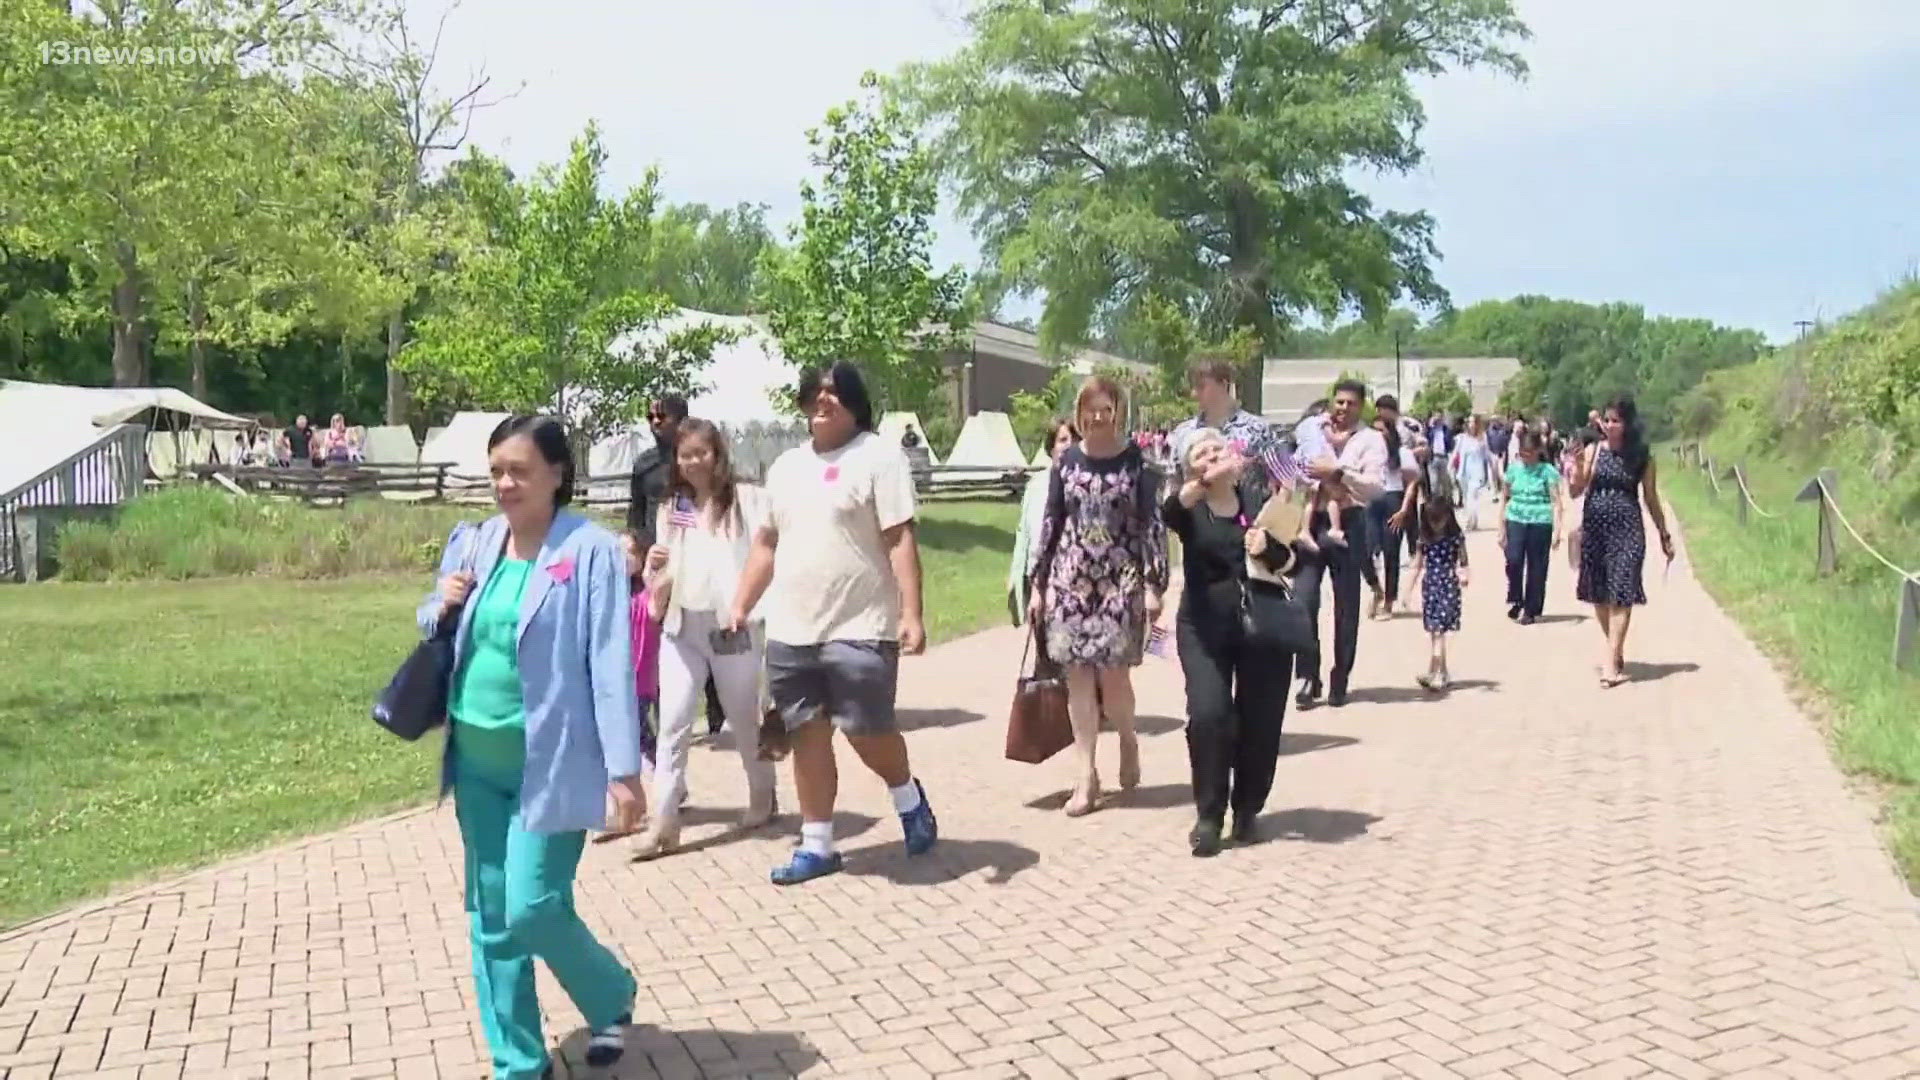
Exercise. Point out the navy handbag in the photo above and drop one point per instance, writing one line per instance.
(415, 701)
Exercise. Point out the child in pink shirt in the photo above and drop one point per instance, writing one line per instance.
(646, 648)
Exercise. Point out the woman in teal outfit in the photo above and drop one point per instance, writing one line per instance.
(545, 729)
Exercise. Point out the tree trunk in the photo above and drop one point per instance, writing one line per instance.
(1252, 279)
(129, 328)
(197, 348)
(399, 399)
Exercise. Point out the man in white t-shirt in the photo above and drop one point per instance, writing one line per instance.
(840, 570)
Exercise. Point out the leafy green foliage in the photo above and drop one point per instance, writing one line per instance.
(859, 283)
(1031, 412)
(1441, 392)
(708, 260)
(1107, 150)
(1573, 356)
(539, 317)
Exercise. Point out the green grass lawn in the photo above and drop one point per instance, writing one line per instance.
(1834, 635)
(147, 727)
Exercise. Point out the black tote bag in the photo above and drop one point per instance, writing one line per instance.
(415, 700)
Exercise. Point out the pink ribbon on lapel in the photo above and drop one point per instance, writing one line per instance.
(562, 571)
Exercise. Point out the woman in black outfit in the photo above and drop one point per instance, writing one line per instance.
(1236, 693)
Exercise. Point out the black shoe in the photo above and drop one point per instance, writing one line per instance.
(1527, 620)
(1513, 613)
(1245, 829)
(1309, 694)
(1205, 839)
(1338, 698)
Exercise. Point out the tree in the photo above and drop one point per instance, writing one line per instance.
(542, 317)
(1442, 393)
(859, 283)
(1031, 412)
(114, 164)
(706, 259)
(1204, 151)
(412, 124)
(1524, 393)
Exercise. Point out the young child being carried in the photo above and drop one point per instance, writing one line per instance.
(1318, 440)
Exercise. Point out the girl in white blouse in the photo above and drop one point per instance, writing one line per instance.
(705, 530)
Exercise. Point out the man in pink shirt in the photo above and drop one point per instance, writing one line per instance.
(1361, 466)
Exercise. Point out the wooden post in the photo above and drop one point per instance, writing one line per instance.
(1739, 476)
(1822, 489)
(1906, 625)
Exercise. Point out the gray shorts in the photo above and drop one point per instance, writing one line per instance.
(851, 681)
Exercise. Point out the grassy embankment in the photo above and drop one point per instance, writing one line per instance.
(1848, 400)
(152, 725)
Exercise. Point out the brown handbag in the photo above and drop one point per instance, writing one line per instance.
(1038, 726)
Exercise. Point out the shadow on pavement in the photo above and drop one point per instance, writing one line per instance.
(948, 860)
(1315, 825)
(1306, 742)
(655, 1051)
(1545, 619)
(846, 826)
(1656, 672)
(1153, 725)
(1399, 695)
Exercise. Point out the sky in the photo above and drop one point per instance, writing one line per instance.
(1754, 162)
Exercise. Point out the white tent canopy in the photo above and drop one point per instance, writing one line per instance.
(389, 444)
(462, 444)
(740, 386)
(43, 424)
(895, 425)
(987, 442)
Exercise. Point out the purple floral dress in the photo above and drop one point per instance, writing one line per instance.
(1103, 545)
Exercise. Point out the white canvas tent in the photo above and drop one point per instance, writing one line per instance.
(740, 386)
(389, 444)
(463, 445)
(895, 425)
(987, 442)
(43, 424)
(1040, 459)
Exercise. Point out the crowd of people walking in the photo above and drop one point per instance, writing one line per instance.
(582, 659)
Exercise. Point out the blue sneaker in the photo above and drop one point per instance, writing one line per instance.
(921, 827)
(805, 866)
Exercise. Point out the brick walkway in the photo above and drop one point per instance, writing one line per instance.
(1528, 878)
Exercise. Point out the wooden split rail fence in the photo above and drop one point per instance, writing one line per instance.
(1821, 489)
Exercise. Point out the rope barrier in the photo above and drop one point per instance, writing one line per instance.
(1740, 475)
(1834, 505)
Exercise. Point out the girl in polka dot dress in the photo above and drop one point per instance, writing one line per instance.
(1440, 565)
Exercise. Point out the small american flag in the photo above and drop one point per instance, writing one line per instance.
(682, 517)
(1281, 466)
(1157, 641)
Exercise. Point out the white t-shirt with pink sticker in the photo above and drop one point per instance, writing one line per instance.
(832, 578)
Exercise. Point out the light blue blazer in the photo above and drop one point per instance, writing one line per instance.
(576, 666)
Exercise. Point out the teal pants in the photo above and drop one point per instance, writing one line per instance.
(520, 906)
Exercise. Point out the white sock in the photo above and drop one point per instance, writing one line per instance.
(905, 797)
(816, 837)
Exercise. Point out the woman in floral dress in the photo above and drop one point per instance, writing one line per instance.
(1098, 583)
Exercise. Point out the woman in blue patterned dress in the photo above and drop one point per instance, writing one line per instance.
(1098, 583)
(1613, 475)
